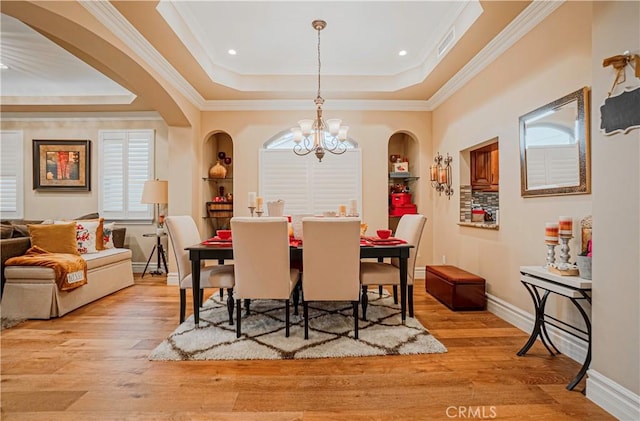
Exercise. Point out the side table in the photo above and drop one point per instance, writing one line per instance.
(158, 248)
(576, 289)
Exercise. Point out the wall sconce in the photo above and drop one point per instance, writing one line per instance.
(441, 175)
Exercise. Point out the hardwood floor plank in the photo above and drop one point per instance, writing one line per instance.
(92, 364)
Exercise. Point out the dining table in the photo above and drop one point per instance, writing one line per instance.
(221, 251)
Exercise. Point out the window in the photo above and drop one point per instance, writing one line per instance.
(306, 185)
(126, 162)
(11, 174)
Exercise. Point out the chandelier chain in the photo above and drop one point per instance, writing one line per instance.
(319, 63)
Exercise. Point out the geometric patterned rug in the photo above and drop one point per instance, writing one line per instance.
(330, 333)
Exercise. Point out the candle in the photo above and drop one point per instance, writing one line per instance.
(252, 199)
(565, 226)
(353, 207)
(259, 203)
(434, 172)
(551, 233)
(342, 210)
(442, 176)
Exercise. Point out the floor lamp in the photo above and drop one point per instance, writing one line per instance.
(156, 192)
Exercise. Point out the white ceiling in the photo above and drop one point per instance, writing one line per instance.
(275, 43)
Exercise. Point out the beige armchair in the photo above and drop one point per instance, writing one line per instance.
(331, 262)
(261, 257)
(183, 232)
(409, 229)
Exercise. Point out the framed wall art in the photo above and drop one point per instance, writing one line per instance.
(62, 165)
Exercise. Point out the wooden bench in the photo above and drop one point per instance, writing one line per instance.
(456, 288)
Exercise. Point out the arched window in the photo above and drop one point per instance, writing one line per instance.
(306, 185)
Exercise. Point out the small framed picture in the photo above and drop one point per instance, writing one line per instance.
(62, 165)
(401, 167)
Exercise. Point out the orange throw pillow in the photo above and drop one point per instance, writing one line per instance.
(55, 238)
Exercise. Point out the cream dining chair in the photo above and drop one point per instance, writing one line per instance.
(183, 233)
(410, 229)
(331, 262)
(261, 259)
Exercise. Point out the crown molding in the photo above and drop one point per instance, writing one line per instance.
(82, 116)
(535, 13)
(68, 100)
(106, 13)
(306, 105)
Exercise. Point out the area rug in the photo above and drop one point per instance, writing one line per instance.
(330, 333)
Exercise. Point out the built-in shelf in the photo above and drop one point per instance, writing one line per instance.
(217, 179)
(484, 225)
(407, 178)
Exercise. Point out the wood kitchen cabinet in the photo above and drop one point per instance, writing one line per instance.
(485, 173)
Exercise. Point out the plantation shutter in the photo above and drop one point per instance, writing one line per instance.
(126, 162)
(11, 175)
(309, 186)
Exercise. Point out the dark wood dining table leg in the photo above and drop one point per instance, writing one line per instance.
(195, 278)
(403, 288)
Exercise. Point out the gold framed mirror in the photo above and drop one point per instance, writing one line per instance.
(555, 147)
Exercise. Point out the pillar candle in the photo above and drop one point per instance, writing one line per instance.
(551, 233)
(259, 203)
(565, 226)
(342, 210)
(252, 199)
(434, 172)
(353, 207)
(442, 176)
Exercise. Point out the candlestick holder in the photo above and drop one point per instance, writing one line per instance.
(551, 254)
(564, 252)
(259, 212)
(252, 209)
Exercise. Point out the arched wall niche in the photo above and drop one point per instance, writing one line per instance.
(217, 148)
(404, 145)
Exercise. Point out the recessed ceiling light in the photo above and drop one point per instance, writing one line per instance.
(232, 52)
(402, 53)
(3, 66)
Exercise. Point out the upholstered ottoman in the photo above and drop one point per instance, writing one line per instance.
(456, 288)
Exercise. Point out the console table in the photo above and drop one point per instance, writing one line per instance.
(538, 280)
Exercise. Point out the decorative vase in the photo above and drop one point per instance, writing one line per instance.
(217, 171)
(584, 266)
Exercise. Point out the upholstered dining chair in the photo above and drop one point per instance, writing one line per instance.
(183, 233)
(331, 261)
(261, 260)
(410, 229)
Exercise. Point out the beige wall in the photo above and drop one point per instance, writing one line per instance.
(47, 205)
(371, 130)
(551, 61)
(616, 208)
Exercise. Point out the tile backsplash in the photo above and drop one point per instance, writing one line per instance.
(488, 201)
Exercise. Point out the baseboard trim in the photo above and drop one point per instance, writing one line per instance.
(567, 344)
(138, 267)
(613, 398)
(172, 278)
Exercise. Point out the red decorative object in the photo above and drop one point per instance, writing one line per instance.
(403, 210)
(400, 199)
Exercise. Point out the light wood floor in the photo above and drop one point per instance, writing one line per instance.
(92, 365)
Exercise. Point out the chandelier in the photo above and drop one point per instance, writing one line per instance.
(317, 135)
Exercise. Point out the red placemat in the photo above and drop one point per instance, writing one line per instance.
(217, 241)
(391, 241)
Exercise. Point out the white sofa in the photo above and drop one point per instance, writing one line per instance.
(30, 292)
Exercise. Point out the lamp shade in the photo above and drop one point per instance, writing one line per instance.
(155, 191)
